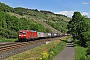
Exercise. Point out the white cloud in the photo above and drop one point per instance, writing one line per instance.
(67, 13)
(70, 13)
(85, 3)
(9, 3)
(85, 13)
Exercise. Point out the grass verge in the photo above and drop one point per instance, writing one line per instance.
(80, 53)
(7, 40)
(44, 52)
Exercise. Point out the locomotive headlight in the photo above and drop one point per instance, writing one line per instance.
(19, 35)
(24, 35)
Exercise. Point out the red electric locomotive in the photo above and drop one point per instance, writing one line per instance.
(25, 35)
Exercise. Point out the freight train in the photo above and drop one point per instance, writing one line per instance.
(25, 35)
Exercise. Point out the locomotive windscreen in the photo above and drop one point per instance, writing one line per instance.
(22, 32)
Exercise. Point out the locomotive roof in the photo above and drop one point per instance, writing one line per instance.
(32, 31)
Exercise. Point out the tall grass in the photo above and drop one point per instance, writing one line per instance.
(50, 54)
(80, 53)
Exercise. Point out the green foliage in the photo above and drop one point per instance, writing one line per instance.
(87, 37)
(33, 19)
(80, 53)
(34, 14)
(10, 25)
(53, 51)
(21, 11)
(5, 8)
(57, 49)
(7, 40)
(58, 24)
(88, 50)
(77, 27)
(48, 16)
(45, 12)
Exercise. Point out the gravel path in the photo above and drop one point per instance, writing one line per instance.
(67, 53)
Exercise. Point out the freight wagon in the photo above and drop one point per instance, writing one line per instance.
(25, 35)
(40, 34)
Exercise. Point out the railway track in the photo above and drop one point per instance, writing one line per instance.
(9, 46)
(5, 47)
(13, 45)
(10, 49)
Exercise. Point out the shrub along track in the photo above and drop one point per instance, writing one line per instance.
(9, 49)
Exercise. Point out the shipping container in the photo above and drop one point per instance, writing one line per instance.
(55, 34)
(52, 34)
(46, 35)
(49, 34)
(40, 34)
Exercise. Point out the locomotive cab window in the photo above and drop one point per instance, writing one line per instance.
(22, 32)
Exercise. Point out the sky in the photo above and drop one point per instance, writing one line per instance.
(64, 7)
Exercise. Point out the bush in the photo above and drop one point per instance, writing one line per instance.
(88, 50)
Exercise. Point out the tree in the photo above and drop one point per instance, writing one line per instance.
(77, 26)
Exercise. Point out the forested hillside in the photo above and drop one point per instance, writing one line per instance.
(10, 25)
(57, 21)
(14, 19)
